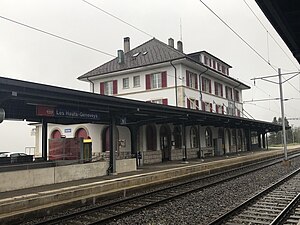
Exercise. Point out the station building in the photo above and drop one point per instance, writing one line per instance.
(159, 73)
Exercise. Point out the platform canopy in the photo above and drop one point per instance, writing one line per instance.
(35, 102)
(284, 16)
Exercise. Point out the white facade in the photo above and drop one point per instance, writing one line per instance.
(202, 83)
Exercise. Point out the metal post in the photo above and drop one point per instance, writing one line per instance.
(282, 115)
(184, 157)
(113, 146)
(44, 140)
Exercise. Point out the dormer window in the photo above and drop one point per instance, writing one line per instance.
(135, 54)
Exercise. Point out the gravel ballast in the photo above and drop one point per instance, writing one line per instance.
(204, 206)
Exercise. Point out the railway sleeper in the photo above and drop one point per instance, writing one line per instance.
(256, 209)
(257, 216)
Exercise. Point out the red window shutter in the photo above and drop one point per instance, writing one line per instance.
(222, 109)
(210, 106)
(187, 78)
(165, 101)
(115, 87)
(188, 102)
(217, 109)
(216, 88)
(148, 84)
(164, 79)
(102, 88)
(196, 81)
(221, 90)
(197, 104)
(203, 106)
(209, 86)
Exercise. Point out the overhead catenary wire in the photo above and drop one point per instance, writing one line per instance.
(117, 18)
(239, 36)
(56, 36)
(268, 33)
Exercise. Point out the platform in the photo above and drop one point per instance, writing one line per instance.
(21, 204)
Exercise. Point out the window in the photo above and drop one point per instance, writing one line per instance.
(214, 64)
(229, 93)
(192, 103)
(55, 134)
(206, 106)
(219, 66)
(81, 133)
(218, 89)
(125, 83)
(156, 80)
(205, 60)
(223, 69)
(136, 81)
(236, 96)
(191, 80)
(220, 109)
(109, 87)
(206, 85)
(238, 113)
(194, 137)
(208, 137)
(230, 108)
(163, 101)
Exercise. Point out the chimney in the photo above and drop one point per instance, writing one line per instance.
(171, 42)
(120, 56)
(179, 46)
(126, 44)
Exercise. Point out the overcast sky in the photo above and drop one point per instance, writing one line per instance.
(32, 56)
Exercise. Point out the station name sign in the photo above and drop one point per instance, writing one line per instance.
(66, 113)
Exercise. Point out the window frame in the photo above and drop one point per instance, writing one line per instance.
(227, 89)
(218, 87)
(109, 87)
(125, 84)
(194, 137)
(208, 137)
(135, 78)
(206, 85)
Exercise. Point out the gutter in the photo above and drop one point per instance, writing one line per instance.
(93, 85)
(176, 98)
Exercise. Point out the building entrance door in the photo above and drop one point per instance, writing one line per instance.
(165, 143)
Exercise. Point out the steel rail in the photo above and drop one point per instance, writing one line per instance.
(246, 203)
(142, 197)
(286, 211)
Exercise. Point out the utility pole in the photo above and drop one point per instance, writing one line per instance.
(282, 115)
(266, 78)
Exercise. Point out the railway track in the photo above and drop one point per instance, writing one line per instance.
(292, 215)
(270, 206)
(112, 211)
